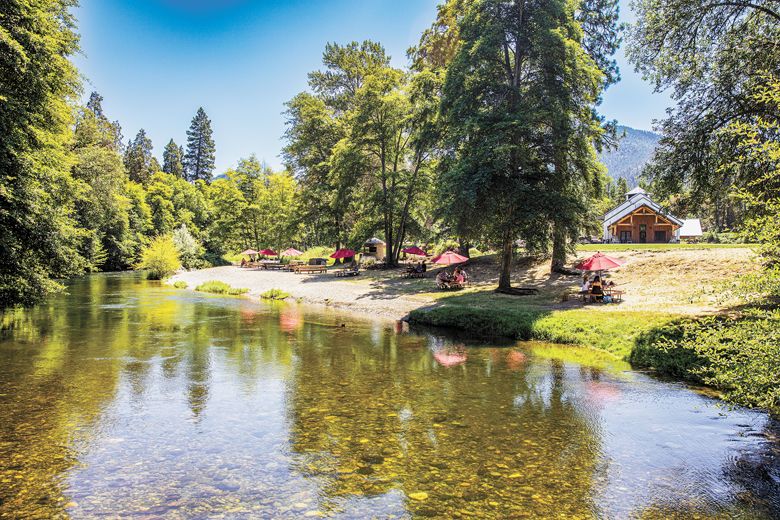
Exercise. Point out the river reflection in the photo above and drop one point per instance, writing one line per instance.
(127, 398)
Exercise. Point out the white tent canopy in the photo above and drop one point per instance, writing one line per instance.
(691, 228)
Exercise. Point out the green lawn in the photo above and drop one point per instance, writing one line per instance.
(489, 314)
(658, 247)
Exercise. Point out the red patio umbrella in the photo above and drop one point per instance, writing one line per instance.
(343, 253)
(600, 262)
(449, 258)
(268, 252)
(414, 250)
(291, 252)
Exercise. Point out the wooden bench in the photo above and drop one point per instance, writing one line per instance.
(276, 266)
(308, 269)
(413, 274)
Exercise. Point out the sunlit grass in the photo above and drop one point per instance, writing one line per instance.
(217, 287)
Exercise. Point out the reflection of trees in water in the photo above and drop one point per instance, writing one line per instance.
(367, 417)
(63, 363)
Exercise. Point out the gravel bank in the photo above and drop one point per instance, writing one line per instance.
(364, 296)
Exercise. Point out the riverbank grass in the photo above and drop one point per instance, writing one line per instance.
(217, 287)
(489, 314)
(275, 294)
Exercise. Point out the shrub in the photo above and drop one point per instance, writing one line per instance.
(217, 287)
(190, 249)
(740, 356)
(160, 258)
(180, 284)
(275, 294)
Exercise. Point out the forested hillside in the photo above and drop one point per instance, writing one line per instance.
(635, 149)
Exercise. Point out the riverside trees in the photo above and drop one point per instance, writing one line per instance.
(361, 144)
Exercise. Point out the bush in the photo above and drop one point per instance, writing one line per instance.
(217, 287)
(740, 356)
(190, 249)
(275, 294)
(160, 258)
(180, 284)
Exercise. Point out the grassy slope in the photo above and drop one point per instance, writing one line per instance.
(663, 285)
(489, 314)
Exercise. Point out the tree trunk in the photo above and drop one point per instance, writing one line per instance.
(505, 279)
(464, 246)
(558, 250)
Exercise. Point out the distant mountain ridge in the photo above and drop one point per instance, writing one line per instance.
(634, 150)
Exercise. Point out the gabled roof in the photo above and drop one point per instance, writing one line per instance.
(374, 241)
(691, 228)
(634, 203)
(636, 191)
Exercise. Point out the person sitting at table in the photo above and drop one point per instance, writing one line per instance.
(459, 277)
(596, 290)
(443, 279)
(243, 261)
(421, 267)
(585, 287)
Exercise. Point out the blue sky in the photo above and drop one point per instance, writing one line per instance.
(156, 61)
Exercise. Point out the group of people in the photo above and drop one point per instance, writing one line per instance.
(595, 288)
(456, 279)
(419, 267)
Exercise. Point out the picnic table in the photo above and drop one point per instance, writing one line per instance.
(272, 265)
(615, 294)
(308, 269)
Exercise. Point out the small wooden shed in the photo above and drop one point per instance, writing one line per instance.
(374, 247)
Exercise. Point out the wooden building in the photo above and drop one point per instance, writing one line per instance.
(639, 219)
(375, 248)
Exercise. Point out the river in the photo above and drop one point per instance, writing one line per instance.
(127, 398)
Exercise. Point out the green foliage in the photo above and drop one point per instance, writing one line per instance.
(160, 258)
(139, 161)
(275, 294)
(189, 248)
(496, 315)
(740, 356)
(201, 150)
(173, 156)
(253, 206)
(39, 239)
(180, 284)
(711, 56)
(217, 287)
(363, 153)
(519, 77)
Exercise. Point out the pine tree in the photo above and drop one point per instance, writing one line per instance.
(199, 160)
(139, 161)
(172, 159)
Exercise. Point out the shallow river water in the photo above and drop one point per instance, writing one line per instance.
(128, 399)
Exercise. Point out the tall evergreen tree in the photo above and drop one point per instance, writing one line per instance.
(38, 236)
(201, 151)
(172, 159)
(139, 161)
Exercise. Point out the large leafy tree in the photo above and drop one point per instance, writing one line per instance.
(172, 159)
(711, 56)
(103, 206)
(39, 237)
(583, 37)
(361, 143)
(201, 150)
(139, 161)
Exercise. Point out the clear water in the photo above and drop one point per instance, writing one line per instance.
(128, 399)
